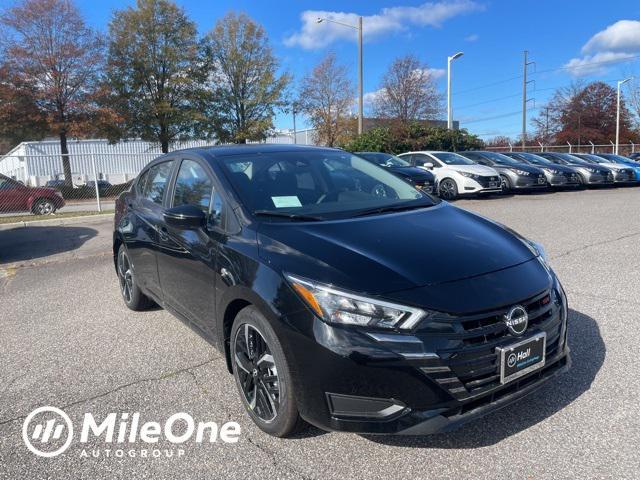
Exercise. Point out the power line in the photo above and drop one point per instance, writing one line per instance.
(496, 117)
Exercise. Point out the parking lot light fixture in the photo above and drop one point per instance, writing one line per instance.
(449, 113)
(358, 28)
(620, 83)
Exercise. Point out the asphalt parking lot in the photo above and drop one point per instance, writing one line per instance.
(67, 340)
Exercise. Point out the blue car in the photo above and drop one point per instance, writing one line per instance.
(613, 158)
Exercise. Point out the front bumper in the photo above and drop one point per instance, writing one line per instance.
(433, 379)
(482, 184)
(624, 177)
(598, 179)
(563, 180)
(528, 182)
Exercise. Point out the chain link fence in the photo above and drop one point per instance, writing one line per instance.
(37, 185)
(625, 149)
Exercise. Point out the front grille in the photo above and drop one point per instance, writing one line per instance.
(486, 181)
(467, 363)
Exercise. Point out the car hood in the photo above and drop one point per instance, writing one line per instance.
(476, 169)
(412, 172)
(559, 168)
(522, 166)
(392, 252)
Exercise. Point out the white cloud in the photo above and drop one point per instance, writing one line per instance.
(388, 21)
(615, 43)
(435, 73)
(622, 36)
(474, 37)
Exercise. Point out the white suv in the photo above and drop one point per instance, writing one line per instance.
(455, 175)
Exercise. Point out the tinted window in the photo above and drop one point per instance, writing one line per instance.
(193, 186)
(385, 159)
(157, 180)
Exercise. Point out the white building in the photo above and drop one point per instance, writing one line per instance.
(35, 163)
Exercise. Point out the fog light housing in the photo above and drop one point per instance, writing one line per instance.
(349, 406)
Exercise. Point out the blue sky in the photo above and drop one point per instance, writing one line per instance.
(487, 82)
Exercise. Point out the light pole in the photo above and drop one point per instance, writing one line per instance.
(449, 113)
(620, 83)
(358, 28)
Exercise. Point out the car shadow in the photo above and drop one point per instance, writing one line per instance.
(588, 352)
(31, 243)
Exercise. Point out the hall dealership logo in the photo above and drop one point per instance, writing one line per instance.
(49, 432)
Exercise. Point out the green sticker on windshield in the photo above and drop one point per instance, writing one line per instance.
(284, 202)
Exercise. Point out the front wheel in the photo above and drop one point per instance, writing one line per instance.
(448, 189)
(262, 375)
(505, 184)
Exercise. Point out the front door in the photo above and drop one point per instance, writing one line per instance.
(187, 257)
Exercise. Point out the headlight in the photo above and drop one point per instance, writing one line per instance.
(344, 308)
(552, 171)
(521, 172)
(469, 175)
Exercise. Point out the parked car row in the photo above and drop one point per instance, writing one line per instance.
(484, 172)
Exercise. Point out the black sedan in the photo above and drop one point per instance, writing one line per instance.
(514, 175)
(589, 173)
(337, 305)
(418, 176)
(557, 175)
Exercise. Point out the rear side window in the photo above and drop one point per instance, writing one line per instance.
(156, 182)
(193, 186)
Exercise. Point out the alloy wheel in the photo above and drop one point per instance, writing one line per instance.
(257, 373)
(125, 275)
(447, 190)
(44, 207)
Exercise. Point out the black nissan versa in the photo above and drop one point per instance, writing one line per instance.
(379, 310)
(421, 178)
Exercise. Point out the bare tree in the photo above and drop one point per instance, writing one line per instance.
(57, 57)
(408, 92)
(326, 97)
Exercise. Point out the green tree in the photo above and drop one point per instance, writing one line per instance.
(247, 89)
(155, 75)
(415, 136)
(52, 64)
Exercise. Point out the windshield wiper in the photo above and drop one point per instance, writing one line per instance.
(391, 208)
(289, 215)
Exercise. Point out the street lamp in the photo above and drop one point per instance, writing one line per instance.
(620, 83)
(360, 74)
(449, 114)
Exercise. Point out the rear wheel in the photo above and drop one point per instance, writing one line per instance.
(43, 206)
(448, 189)
(262, 375)
(131, 293)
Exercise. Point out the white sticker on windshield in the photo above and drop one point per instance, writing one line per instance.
(284, 202)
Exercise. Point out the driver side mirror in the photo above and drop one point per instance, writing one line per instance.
(428, 165)
(188, 217)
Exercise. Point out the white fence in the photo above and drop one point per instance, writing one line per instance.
(623, 148)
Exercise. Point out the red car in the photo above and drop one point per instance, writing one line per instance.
(16, 197)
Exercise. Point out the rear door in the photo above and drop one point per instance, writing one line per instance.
(148, 207)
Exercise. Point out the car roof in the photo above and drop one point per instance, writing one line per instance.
(223, 150)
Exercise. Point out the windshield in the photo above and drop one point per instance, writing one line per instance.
(535, 159)
(319, 183)
(453, 158)
(384, 159)
(571, 159)
(499, 158)
(612, 157)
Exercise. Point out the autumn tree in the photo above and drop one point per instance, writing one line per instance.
(583, 114)
(54, 59)
(247, 89)
(155, 74)
(408, 92)
(326, 97)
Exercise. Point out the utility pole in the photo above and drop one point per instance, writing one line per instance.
(360, 79)
(295, 132)
(524, 98)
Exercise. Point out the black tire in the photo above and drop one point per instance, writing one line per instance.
(448, 189)
(506, 184)
(43, 206)
(131, 293)
(271, 403)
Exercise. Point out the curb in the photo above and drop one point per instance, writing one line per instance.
(58, 221)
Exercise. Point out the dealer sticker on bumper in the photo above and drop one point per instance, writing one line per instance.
(521, 358)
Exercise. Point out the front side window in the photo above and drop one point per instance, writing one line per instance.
(157, 180)
(321, 183)
(193, 186)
